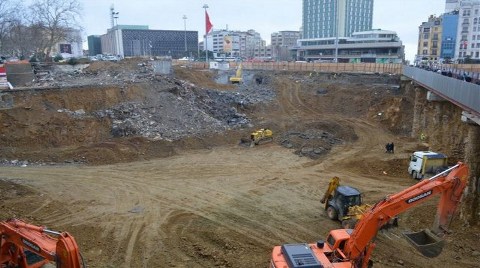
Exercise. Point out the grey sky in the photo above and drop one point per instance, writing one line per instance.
(264, 16)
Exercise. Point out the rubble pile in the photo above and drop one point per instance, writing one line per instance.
(98, 73)
(184, 110)
(312, 143)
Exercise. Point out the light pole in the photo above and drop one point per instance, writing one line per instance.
(206, 37)
(185, 28)
(337, 29)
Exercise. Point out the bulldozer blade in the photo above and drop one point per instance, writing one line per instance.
(246, 142)
(426, 242)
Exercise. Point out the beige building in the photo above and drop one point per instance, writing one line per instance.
(429, 40)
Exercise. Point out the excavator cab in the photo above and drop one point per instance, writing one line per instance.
(343, 198)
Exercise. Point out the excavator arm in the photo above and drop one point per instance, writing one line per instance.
(332, 186)
(30, 246)
(448, 184)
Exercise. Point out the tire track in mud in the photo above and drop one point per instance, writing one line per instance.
(126, 189)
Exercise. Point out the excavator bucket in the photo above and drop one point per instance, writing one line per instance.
(426, 242)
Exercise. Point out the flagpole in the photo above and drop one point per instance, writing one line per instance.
(206, 35)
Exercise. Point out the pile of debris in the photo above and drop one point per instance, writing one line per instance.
(184, 110)
(312, 143)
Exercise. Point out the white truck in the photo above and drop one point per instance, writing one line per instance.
(425, 163)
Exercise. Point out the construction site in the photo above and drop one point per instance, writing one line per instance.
(152, 170)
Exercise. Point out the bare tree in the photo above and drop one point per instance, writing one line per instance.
(56, 18)
(7, 19)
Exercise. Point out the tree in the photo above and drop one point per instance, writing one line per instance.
(7, 17)
(55, 18)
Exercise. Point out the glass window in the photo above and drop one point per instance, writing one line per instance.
(331, 240)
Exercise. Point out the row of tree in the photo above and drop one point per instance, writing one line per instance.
(32, 31)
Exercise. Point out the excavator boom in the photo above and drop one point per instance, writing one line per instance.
(353, 248)
(31, 246)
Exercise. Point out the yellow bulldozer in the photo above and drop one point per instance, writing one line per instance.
(261, 136)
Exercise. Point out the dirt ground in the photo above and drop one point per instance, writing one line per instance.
(208, 202)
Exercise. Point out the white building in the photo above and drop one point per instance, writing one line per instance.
(71, 47)
(468, 30)
(375, 46)
(451, 5)
(235, 44)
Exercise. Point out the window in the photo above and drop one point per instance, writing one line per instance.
(425, 36)
(476, 54)
(425, 44)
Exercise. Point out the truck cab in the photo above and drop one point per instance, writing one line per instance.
(423, 163)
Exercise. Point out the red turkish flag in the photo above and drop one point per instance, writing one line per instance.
(208, 24)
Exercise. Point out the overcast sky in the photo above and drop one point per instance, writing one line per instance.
(264, 16)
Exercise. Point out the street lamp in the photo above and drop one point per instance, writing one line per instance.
(205, 6)
(185, 28)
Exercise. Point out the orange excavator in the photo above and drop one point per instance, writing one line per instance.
(30, 246)
(353, 247)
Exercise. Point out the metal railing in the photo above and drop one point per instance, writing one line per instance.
(464, 94)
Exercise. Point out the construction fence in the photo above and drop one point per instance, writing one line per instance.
(309, 66)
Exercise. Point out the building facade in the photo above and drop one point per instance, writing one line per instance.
(468, 31)
(70, 46)
(138, 40)
(331, 18)
(236, 44)
(94, 45)
(429, 40)
(281, 43)
(375, 46)
(449, 36)
(452, 5)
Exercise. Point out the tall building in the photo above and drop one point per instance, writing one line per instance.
(429, 40)
(449, 35)
(322, 18)
(451, 5)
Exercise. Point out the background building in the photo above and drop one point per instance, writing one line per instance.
(281, 44)
(320, 17)
(429, 40)
(468, 31)
(94, 45)
(451, 5)
(70, 47)
(375, 46)
(449, 36)
(138, 40)
(245, 45)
